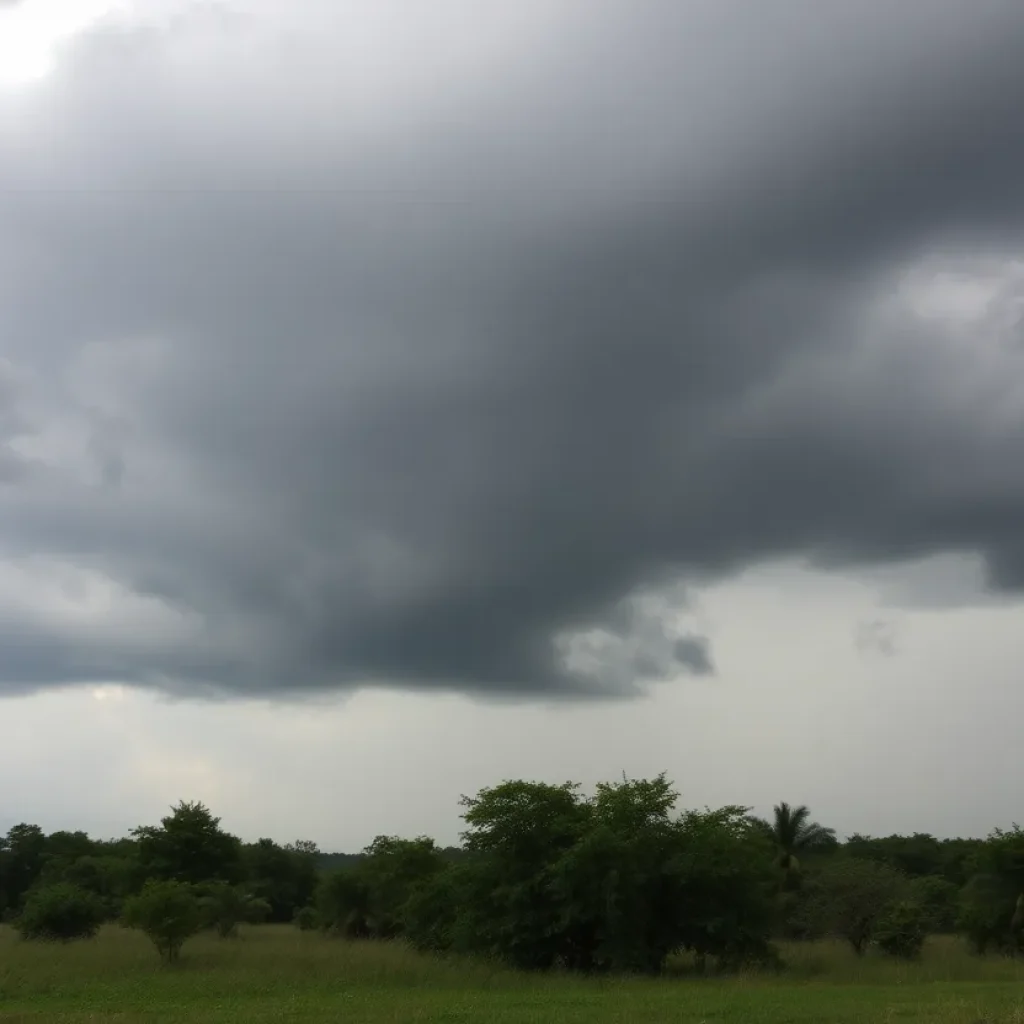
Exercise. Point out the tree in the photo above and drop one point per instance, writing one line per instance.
(343, 905)
(307, 919)
(849, 896)
(368, 899)
(22, 857)
(728, 887)
(189, 846)
(793, 833)
(285, 876)
(901, 930)
(224, 907)
(992, 903)
(611, 883)
(61, 850)
(938, 899)
(391, 871)
(619, 897)
(985, 912)
(168, 913)
(919, 855)
(516, 833)
(435, 917)
(60, 913)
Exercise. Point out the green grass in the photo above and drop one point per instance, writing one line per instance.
(279, 974)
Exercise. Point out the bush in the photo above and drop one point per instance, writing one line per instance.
(985, 914)
(902, 929)
(168, 913)
(938, 898)
(306, 919)
(60, 913)
(343, 905)
(432, 913)
(224, 907)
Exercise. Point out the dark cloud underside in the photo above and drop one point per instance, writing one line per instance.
(333, 378)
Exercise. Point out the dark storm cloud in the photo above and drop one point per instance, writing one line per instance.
(408, 372)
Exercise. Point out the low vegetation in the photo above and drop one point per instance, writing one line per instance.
(548, 884)
(277, 973)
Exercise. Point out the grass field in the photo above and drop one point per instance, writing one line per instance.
(279, 974)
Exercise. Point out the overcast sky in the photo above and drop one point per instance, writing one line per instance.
(399, 397)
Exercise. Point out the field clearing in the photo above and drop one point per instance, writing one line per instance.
(280, 974)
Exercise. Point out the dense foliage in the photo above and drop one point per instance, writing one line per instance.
(546, 876)
(167, 912)
(60, 913)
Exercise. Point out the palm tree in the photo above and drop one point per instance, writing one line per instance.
(792, 832)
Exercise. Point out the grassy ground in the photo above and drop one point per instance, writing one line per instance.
(278, 974)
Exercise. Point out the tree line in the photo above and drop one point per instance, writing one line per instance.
(545, 876)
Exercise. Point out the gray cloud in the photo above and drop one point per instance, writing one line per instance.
(877, 636)
(401, 370)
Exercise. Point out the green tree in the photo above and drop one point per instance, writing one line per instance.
(992, 902)
(22, 858)
(611, 883)
(224, 907)
(849, 896)
(307, 919)
(901, 929)
(728, 888)
(368, 899)
(168, 913)
(343, 904)
(285, 876)
(189, 846)
(618, 895)
(391, 871)
(985, 912)
(516, 834)
(938, 898)
(62, 849)
(435, 917)
(919, 855)
(61, 913)
(793, 833)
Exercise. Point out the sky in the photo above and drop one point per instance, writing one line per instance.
(398, 398)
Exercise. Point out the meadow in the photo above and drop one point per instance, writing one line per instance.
(276, 973)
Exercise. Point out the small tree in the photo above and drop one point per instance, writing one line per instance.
(343, 905)
(902, 929)
(793, 832)
(224, 907)
(189, 846)
(168, 913)
(992, 902)
(938, 898)
(849, 897)
(60, 913)
(986, 914)
(307, 919)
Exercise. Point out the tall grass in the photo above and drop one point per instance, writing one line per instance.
(277, 973)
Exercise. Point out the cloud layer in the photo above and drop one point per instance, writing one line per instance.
(350, 346)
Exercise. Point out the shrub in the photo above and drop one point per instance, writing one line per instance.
(938, 898)
(168, 913)
(985, 914)
(224, 907)
(60, 913)
(849, 896)
(432, 912)
(306, 919)
(343, 905)
(902, 929)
